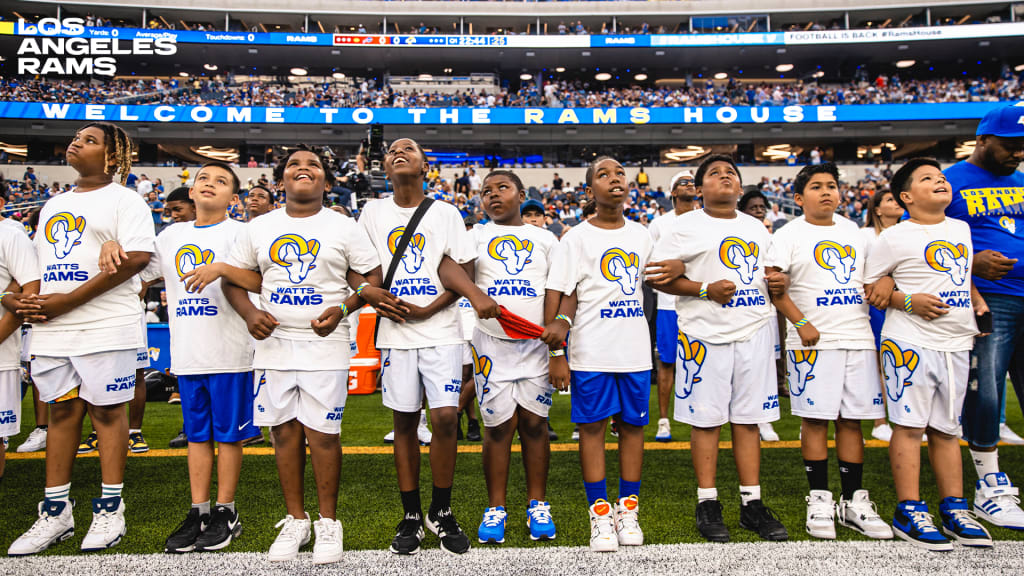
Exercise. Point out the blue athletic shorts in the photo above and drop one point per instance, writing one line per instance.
(217, 406)
(667, 328)
(600, 395)
(877, 319)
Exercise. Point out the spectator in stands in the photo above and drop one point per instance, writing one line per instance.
(557, 183)
(474, 181)
(144, 186)
(30, 176)
(252, 162)
(156, 207)
(775, 214)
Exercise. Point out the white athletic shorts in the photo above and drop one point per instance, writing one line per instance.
(10, 402)
(26, 342)
(926, 388)
(142, 354)
(721, 383)
(101, 379)
(467, 353)
(508, 374)
(407, 375)
(773, 321)
(827, 384)
(315, 398)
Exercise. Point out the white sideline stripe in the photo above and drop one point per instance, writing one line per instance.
(768, 559)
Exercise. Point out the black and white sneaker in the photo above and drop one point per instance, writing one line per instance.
(409, 535)
(184, 538)
(443, 524)
(224, 527)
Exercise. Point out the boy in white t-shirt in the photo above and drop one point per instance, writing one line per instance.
(211, 354)
(725, 366)
(304, 253)
(86, 331)
(512, 384)
(831, 363)
(420, 339)
(19, 272)
(926, 341)
(597, 268)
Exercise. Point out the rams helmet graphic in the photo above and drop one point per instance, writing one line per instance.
(836, 258)
(63, 231)
(621, 267)
(510, 251)
(189, 257)
(413, 257)
(295, 254)
(946, 257)
(741, 256)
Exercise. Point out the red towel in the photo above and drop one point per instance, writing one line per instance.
(518, 327)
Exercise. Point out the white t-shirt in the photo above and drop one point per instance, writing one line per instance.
(441, 232)
(934, 259)
(144, 187)
(14, 225)
(716, 249)
(661, 225)
(870, 237)
(18, 262)
(304, 262)
(826, 270)
(512, 264)
(207, 335)
(467, 318)
(72, 228)
(605, 268)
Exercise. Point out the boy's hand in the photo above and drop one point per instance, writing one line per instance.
(385, 303)
(261, 324)
(14, 302)
(415, 312)
(809, 335)
(879, 293)
(558, 368)
(555, 333)
(485, 307)
(40, 308)
(111, 256)
(721, 291)
(777, 283)
(327, 322)
(664, 271)
(198, 279)
(928, 306)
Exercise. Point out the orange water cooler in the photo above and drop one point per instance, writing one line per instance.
(365, 363)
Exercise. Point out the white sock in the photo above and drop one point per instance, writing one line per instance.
(748, 493)
(111, 490)
(135, 431)
(985, 462)
(228, 505)
(59, 493)
(706, 494)
(423, 417)
(203, 507)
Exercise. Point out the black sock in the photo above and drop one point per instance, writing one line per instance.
(851, 474)
(41, 426)
(441, 499)
(817, 474)
(411, 503)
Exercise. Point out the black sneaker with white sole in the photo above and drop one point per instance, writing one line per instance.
(443, 524)
(224, 527)
(409, 535)
(184, 537)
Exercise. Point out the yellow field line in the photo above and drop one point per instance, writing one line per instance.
(463, 449)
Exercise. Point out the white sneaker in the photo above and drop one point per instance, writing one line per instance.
(820, 515)
(860, 514)
(996, 501)
(576, 433)
(55, 524)
(422, 432)
(664, 430)
(627, 521)
(1006, 434)
(108, 526)
(882, 432)
(768, 433)
(294, 535)
(36, 441)
(389, 438)
(328, 546)
(602, 528)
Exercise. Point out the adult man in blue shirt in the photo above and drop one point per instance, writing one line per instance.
(988, 194)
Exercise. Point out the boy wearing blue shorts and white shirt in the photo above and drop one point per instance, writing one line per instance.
(926, 341)
(597, 268)
(211, 354)
(831, 361)
(725, 366)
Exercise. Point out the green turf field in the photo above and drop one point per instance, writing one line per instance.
(157, 492)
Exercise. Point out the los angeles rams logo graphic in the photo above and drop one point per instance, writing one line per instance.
(510, 251)
(836, 258)
(413, 257)
(621, 267)
(64, 232)
(691, 360)
(740, 256)
(482, 373)
(898, 366)
(260, 383)
(1009, 224)
(295, 254)
(945, 257)
(803, 363)
(189, 257)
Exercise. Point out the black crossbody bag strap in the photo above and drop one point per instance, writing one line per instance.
(400, 248)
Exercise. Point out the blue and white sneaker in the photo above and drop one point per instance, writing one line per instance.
(664, 431)
(913, 523)
(996, 501)
(538, 518)
(960, 525)
(492, 528)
